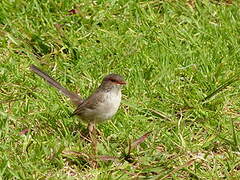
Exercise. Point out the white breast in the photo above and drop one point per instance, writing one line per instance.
(110, 105)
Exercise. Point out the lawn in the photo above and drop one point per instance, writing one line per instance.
(179, 116)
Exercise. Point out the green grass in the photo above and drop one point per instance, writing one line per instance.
(182, 68)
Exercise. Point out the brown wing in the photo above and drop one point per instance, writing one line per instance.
(90, 103)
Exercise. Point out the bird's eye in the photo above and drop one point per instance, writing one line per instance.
(113, 80)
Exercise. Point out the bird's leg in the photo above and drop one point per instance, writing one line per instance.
(91, 127)
(92, 135)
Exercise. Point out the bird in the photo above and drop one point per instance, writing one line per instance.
(101, 105)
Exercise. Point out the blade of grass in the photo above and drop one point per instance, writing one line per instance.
(221, 87)
(234, 136)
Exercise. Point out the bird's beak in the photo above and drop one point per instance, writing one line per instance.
(122, 82)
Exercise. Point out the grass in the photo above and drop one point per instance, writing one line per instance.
(181, 62)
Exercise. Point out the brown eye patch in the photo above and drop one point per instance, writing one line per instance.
(113, 80)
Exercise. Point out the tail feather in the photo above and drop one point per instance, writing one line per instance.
(73, 96)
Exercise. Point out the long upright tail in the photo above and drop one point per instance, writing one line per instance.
(73, 96)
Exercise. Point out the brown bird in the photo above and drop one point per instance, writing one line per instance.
(99, 106)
